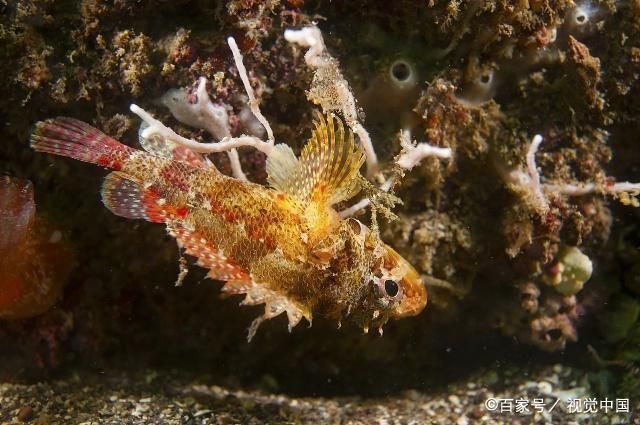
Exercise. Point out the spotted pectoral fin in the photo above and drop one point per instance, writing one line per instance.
(274, 304)
(127, 197)
(165, 148)
(327, 168)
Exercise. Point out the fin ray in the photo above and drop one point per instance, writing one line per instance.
(126, 197)
(280, 166)
(274, 304)
(327, 168)
(208, 256)
(78, 140)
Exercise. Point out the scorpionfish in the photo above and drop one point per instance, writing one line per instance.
(284, 246)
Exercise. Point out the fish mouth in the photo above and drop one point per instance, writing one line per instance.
(415, 295)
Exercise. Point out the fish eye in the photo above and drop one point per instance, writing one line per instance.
(387, 289)
(391, 288)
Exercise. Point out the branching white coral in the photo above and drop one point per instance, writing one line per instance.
(253, 102)
(204, 114)
(156, 127)
(329, 89)
(411, 155)
(530, 183)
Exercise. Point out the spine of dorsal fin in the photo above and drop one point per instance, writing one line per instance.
(327, 168)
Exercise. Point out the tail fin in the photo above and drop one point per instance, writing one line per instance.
(76, 139)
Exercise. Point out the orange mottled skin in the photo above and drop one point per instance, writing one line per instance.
(284, 246)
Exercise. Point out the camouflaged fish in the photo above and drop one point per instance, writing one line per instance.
(284, 246)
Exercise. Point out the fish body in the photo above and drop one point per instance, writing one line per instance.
(284, 246)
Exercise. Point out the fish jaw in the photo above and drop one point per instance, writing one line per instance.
(415, 295)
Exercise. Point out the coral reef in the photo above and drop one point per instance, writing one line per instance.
(536, 104)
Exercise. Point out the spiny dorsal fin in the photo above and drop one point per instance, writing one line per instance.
(328, 165)
(281, 164)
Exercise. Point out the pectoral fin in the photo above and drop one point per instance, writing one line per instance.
(127, 197)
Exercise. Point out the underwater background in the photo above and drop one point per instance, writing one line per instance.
(528, 300)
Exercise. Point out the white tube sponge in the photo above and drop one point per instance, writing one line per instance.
(204, 114)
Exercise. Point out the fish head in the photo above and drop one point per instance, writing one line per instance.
(392, 288)
(399, 284)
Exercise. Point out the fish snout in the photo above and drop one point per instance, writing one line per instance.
(415, 295)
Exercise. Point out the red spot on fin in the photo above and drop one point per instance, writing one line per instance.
(128, 198)
(78, 140)
(220, 266)
(153, 206)
(182, 212)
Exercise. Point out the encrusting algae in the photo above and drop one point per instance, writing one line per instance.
(283, 246)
